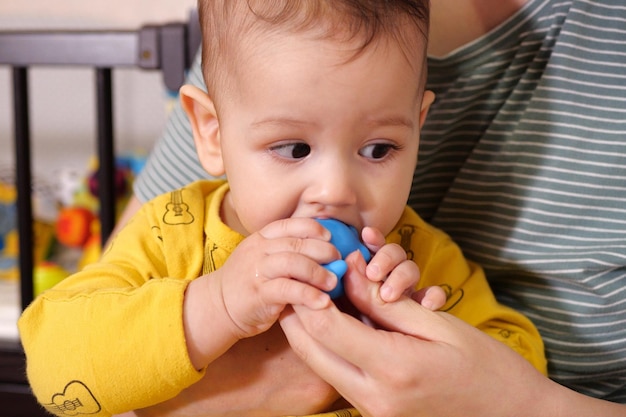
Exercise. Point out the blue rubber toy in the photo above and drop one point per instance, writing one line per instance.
(346, 240)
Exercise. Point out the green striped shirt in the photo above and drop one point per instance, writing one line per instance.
(523, 163)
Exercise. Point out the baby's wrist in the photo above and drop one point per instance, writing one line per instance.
(209, 328)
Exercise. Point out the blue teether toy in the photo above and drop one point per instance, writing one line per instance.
(346, 240)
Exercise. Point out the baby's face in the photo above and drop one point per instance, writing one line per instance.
(314, 131)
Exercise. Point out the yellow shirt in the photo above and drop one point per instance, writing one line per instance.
(110, 338)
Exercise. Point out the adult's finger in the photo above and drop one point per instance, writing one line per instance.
(365, 365)
(338, 334)
(404, 315)
(308, 348)
(337, 370)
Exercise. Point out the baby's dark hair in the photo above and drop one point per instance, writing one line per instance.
(226, 22)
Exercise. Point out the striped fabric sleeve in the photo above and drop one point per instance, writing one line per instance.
(523, 163)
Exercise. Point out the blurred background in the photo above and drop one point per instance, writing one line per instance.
(63, 132)
(63, 101)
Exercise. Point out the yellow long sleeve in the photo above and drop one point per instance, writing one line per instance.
(110, 338)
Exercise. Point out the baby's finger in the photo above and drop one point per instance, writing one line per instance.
(320, 251)
(301, 227)
(432, 298)
(385, 261)
(402, 279)
(373, 238)
(284, 291)
(297, 267)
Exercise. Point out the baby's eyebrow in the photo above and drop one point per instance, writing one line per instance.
(281, 121)
(390, 121)
(370, 122)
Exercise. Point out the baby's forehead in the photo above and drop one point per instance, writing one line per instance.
(357, 26)
(340, 24)
(339, 35)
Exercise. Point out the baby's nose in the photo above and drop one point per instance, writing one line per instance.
(334, 186)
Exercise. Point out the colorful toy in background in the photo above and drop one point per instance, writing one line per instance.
(79, 228)
(8, 233)
(43, 228)
(73, 227)
(66, 225)
(46, 275)
(78, 225)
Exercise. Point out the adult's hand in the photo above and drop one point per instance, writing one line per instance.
(423, 363)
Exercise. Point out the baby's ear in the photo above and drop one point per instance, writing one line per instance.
(205, 127)
(427, 100)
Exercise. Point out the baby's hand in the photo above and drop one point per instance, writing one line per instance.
(389, 265)
(398, 274)
(274, 267)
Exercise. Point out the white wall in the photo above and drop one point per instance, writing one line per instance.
(63, 100)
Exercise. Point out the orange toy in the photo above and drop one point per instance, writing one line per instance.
(73, 226)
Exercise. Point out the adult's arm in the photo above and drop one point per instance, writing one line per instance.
(425, 363)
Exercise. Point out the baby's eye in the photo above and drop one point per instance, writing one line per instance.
(377, 150)
(296, 150)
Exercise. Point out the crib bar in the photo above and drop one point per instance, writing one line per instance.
(69, 48)
(106, 152)
(23, 183)
(165, 47)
